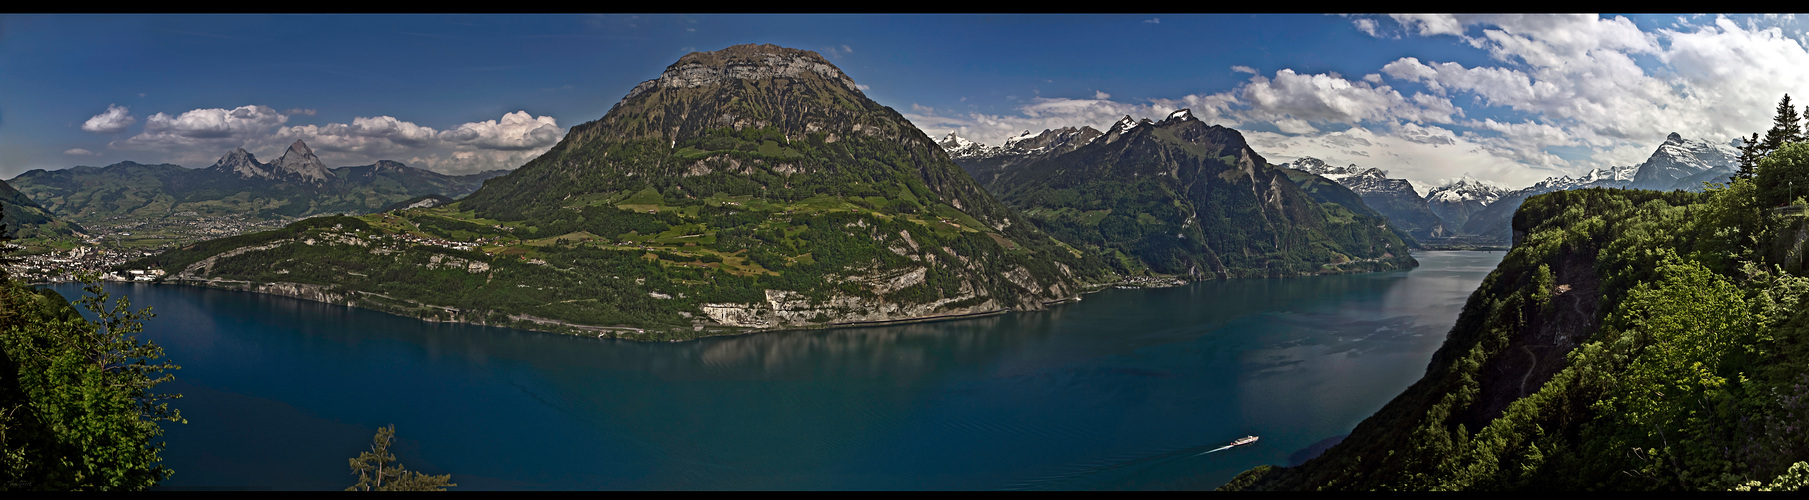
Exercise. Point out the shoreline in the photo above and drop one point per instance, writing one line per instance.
(327, 294)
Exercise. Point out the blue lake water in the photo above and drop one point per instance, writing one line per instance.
(1125, 390)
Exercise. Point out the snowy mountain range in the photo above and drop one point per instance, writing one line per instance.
(1395, 199)
(1678, 163)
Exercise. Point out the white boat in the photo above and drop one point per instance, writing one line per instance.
(1244, 440)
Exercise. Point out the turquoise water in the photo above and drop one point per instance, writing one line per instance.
(1127, 389)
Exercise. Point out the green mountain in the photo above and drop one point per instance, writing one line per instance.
(1181, 197)
(23, 218)
(1630, 340)
(296, 185)
(753, 187)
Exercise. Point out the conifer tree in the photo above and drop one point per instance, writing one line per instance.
(1750, 154)
(1786, 127)
(377, 469)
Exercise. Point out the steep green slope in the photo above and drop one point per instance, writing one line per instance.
(1327, 191)
(1181, 197)
(23, 218)
(1629, 340)
(749, 188)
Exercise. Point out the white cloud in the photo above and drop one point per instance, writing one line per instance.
(204, 129)
(1153, 20)
(199, 137)
(1428, 156)
(79, 152)
(504, 143)
(1245, 69)
(1328, 98)
(1101, 95)
(1367, 26)
(369, 136)
(516, 131)
(299, 111)
(1051, 113)
(1431, 24)
(1589, 81)
(113, 121)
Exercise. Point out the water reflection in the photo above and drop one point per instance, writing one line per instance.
(1118, 391)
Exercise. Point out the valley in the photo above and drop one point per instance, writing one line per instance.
(740, 268)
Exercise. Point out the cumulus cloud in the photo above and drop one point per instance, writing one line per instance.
(516, 131)
(79, 152)
(1600, 83)
(113, 121)
(198, 137)
(1244, 69)
(201, 129)
(1328, 98)
(365, 135)
(504, 143)
(1051, 113)
(1101, 95)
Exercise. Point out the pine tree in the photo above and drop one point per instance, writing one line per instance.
(377, 469)
(1750, 154)
(1786, 127)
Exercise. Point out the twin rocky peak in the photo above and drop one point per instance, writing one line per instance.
(298, 164)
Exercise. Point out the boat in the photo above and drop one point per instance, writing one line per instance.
(1244, 440)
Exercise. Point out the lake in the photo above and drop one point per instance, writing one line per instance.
(1124, 390)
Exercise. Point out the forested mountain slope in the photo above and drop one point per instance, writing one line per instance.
(1629, 340)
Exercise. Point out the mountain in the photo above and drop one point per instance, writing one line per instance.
(1677, 164)
(1627, 343)
(985, 163)
(297, 184)
(1181, 197)
(755, 187)
(23, 218)
(1679, 160)
(1392, 198)
(1454, 203)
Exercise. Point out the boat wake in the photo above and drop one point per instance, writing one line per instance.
(1099, 467)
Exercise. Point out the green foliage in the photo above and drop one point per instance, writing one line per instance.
(1786, 126)
(1779, 173)
(1686, 371)
(377, 469)
(1794, 479)
(78, 409)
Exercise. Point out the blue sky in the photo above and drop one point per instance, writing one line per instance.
(1433, 98)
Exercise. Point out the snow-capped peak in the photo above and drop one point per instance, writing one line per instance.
(1318, 167)
(1125, 124)
(1027, 135)
(1179, 115)
(1467, 190)
(952, 141)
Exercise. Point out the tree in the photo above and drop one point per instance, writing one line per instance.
(1785, 127)
(79, 411)
(377, 469)
(1777, 174)
(1750, 154)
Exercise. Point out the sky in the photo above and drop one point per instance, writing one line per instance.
(1505, 99)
